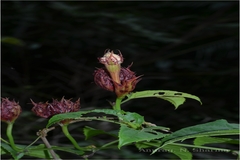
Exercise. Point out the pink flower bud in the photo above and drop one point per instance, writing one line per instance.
(10, 110)
(109, 58)
(112, 63)
(47, 110)
(127, 80)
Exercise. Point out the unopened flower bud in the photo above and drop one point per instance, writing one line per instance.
(128, 81)
(47, 110)
(112, 63)
(10, 110)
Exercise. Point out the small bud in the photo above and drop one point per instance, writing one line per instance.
(10, 110)
(47, 110)
(112, 63)
(110, 58)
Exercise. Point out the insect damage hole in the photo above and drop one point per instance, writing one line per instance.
(159, 93)
(177, 94)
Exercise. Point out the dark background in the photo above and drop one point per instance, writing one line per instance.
(50, 50)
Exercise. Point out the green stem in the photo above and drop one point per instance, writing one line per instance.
(117, 105)
(68, 135)
(32, 143)
(10, 137)
(108, 144)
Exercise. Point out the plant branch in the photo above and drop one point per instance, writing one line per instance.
(42, 134)
(108, 144)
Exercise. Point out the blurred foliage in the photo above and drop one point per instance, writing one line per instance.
(50, 50)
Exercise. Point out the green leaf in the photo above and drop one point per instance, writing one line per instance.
(78, 115)
(132, 119)
(3, 151)
(216, 128)
(8, 149)
(128, 135)
(142, 145)
(199, 141)
(174, 97)
(179, 151)
(161, 128)
(59, 117)
(90, 132)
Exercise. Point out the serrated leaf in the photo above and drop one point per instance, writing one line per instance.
(216, 128)
(77, 115)
(130, 118)
(174, 97)
(199, 141)
(179, 151)
(161, 128)
(141, 145)
(128, 135)
(176, 101)
(59, 117)
(133, 118)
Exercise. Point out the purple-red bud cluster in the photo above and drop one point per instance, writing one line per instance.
(47, 110)
(10, 110)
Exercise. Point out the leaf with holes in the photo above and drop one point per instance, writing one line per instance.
(59, 117)
(132, 119)
(174, 97)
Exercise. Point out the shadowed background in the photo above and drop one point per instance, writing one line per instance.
(50, 50)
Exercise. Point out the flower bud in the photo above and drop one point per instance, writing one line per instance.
(128, 81)
(10, 110)
(47, 110)
(112, 63)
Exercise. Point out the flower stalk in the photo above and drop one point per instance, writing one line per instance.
(117, 105)
(68, 135)
(115, 78)
(10, 137)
